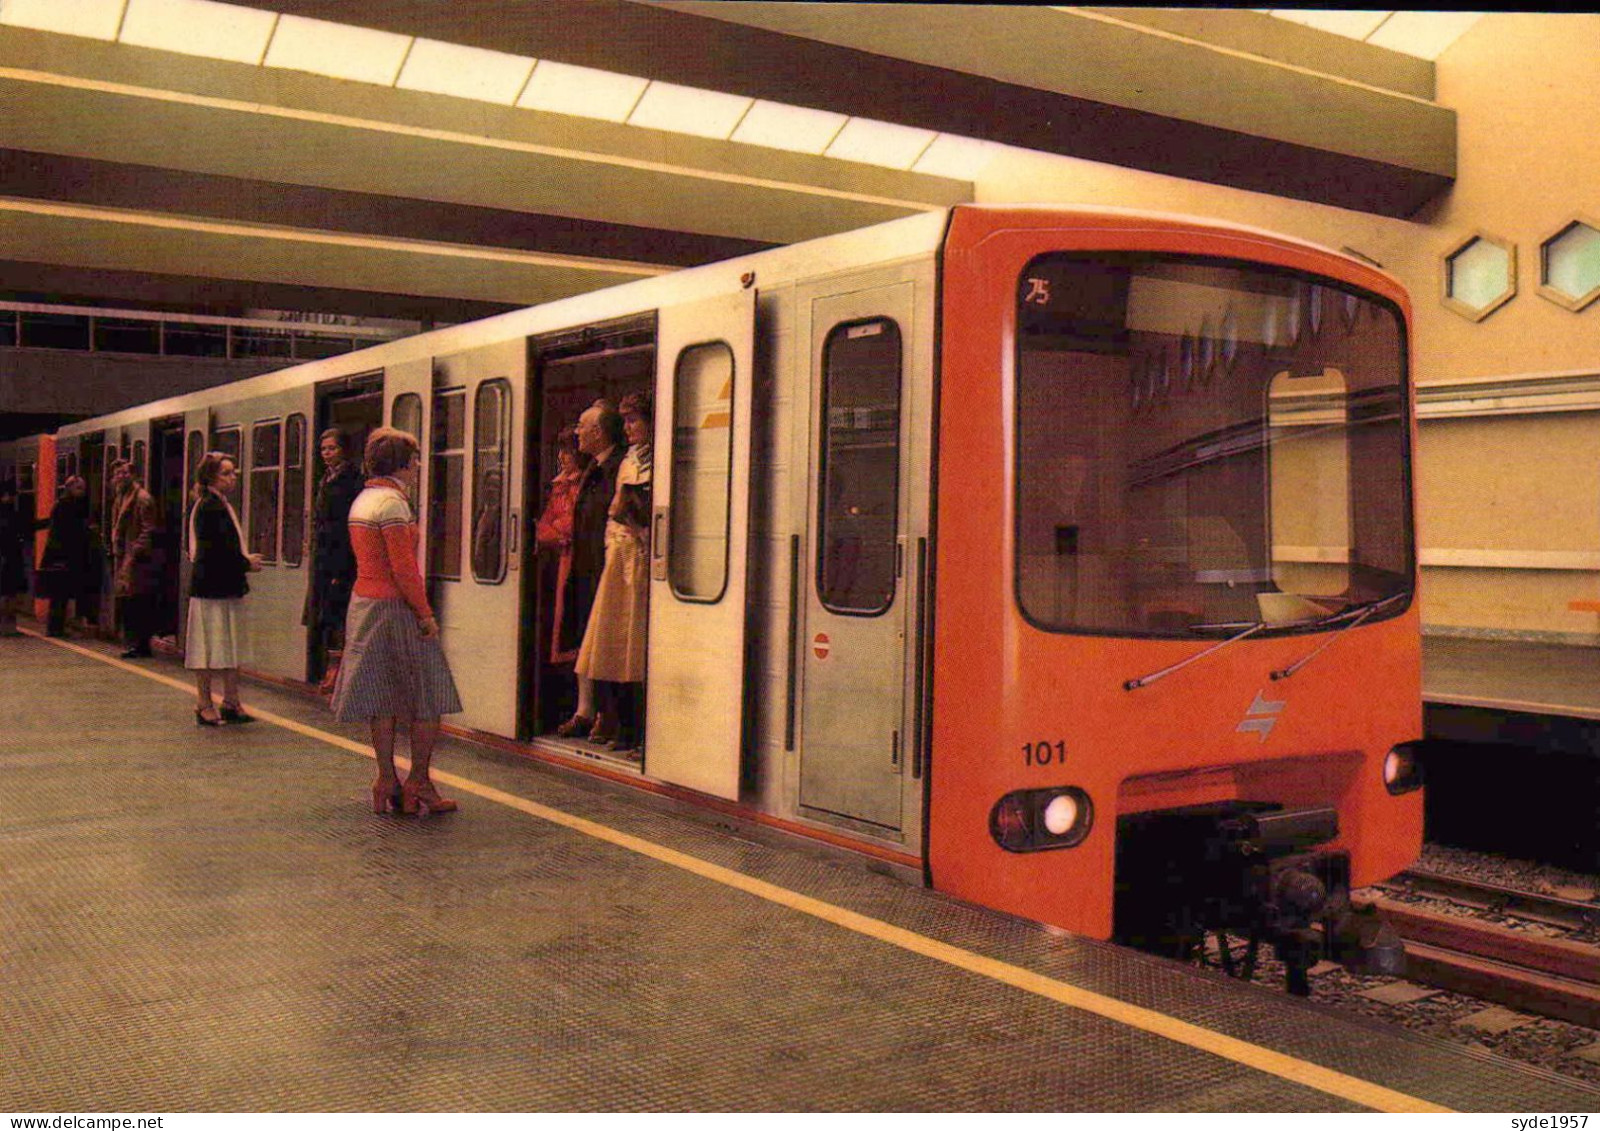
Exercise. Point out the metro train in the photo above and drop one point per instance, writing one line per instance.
(1065, 555)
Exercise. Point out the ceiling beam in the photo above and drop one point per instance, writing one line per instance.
(1080, 82)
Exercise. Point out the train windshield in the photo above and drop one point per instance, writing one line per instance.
(1204, 445)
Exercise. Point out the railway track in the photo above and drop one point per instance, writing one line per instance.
(1549, 977)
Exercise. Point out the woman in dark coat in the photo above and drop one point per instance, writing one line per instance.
(333, 565)
(64, 567)
(215, 640)
(15, 531)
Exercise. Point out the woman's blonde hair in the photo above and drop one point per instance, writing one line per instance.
(389, 450)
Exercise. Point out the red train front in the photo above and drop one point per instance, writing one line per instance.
(1176, 654)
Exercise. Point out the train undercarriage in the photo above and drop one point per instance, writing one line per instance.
(1249, 871)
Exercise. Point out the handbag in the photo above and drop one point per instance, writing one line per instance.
(635, 507)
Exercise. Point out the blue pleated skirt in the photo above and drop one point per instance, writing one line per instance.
(388, 669)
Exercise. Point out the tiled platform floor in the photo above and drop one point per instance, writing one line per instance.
(212, 920)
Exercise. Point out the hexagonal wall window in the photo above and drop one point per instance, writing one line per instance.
(1569, 271)
(1480, 276)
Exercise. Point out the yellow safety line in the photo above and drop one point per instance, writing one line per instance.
(1254, 1056)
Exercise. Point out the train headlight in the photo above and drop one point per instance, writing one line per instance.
(1030, 820)
(1402, 769)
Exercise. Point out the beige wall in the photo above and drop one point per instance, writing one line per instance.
(1522, 86)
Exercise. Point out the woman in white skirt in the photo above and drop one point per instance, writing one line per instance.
(215, 641)
(613, 650)
(393, 665)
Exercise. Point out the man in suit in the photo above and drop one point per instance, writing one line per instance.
(600, 436)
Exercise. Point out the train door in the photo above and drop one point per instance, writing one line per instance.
(474, 522)
(353, 406)
(699, 535)
(166, 484)
(196, 442)
(568, 371)
(854, 743)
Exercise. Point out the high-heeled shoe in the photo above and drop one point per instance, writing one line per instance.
(200, 719)
(424, 795)
(234, 713)
(387, 796)
(605, 728)
(575, 726)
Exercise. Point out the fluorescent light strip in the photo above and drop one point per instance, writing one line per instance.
(43, 78)
(326, 239)
(341, 51)
(1102, 17)
(464, 72)
(199, 27)
(89, 19)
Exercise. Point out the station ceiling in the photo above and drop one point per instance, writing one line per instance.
(422, 159)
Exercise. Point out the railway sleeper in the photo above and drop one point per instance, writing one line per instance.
(1250, 869)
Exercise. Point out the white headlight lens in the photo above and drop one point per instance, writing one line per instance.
(1061, 815)
(1395, 765)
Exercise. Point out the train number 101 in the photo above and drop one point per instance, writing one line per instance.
(1044, 753)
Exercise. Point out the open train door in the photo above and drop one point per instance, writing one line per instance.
(699, 536)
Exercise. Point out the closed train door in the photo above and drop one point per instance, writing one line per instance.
(698, 546)
(854, 738)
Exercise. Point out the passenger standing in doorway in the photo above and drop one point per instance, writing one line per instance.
(333, 563)
(138, 572)
(15, 531)
(394, 667)
(216, 636)
(65, 561)
(613, 652)
(554, 531)
(600, 436)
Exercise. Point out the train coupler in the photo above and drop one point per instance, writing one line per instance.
(1253, 869)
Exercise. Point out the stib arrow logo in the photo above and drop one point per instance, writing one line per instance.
(1262, 716)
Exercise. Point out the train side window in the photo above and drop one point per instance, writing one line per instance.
(859, 478)
(228, 441)
(406, 414)
(294, 489)
(491, 427)
(702, 466)
(266, 477)
(449, 451)
(196, 452)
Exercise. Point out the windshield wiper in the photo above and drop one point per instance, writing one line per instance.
(1355, 614)
(1250, 629)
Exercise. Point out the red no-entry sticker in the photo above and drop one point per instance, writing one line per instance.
(820, 645)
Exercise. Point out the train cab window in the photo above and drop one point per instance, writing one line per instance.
(406, 414)
(266, 479)
(446, 483)
(491, 440)
(228, 442)
(294, 489)
(702, 466)
(860, 468)
(1201, 449)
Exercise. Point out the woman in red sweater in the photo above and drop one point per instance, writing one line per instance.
(393, 665)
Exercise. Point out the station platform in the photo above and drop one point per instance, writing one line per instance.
(213, 920)
(1511, 675)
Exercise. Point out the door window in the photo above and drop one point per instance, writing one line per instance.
(702, 469)
(859, 478)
